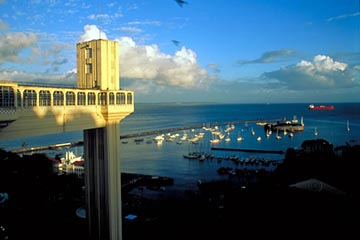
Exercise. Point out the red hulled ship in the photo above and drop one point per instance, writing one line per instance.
(321, 107)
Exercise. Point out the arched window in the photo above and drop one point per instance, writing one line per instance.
(44, 98)
(102, 98)
(58, 97)
(111, 98)
(70, 98)
(129, 98)
(120, 98)
(29, 98)
(81, 98)
(91, 98)
(7, 96)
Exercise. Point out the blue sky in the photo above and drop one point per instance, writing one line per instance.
(204, 51)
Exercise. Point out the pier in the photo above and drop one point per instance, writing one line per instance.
(161, 131)
(248, 150)
(134, 135)
(53, 146)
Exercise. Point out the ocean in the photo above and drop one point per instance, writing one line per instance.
(167, 159)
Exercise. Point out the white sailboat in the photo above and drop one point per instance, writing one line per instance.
(239, 138)
(315, 131)
(277, 134)
(347, 126)
(252, 131)
(227, 139)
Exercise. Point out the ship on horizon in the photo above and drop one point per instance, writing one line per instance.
(321, 107)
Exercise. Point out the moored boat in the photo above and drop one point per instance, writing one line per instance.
(285, 126)
(321, 107)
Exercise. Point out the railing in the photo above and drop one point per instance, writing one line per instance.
(15, 96)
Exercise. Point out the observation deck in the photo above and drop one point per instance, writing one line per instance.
(60, 109)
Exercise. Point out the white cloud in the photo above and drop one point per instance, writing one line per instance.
(320, 73)
(148, 63)
(12, 44)
(91, 33)
(67, 78)
(322, 63)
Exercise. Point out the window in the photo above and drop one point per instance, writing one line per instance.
(91, 98)
(58, 97)
(81, 98)
(111, 99)
(129, 98)
(88, 68)
(44, 98)
(89, 53)
(102, 98)
(29, 98)
(7, 96)
(70, 98)
(120, 98)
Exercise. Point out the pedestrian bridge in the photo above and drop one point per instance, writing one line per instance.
(60, 109)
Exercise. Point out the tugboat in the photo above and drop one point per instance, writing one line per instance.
(321, 107)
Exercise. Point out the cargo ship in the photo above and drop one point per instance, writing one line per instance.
(321, 107)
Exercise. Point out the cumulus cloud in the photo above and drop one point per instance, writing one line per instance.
(67, 78)
(269, 57)
(12, 44)
(320, 73)
(92, 32)
(149, 64)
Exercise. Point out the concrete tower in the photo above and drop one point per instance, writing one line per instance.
(98, 65)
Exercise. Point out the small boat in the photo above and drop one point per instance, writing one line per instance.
(277, 135)
(347, 126)
(291, 134)
(315, 131)
(252, 131)
(321, 107)
(239, 138)
(261, 123)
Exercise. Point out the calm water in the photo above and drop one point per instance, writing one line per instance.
(167, 159)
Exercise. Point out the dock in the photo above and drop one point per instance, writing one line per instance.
(248, 150)
(148, 133)
(53, 146)
(161, 131)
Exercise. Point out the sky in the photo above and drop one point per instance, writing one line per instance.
(234, 51)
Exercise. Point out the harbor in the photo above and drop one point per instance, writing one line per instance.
(142, 134)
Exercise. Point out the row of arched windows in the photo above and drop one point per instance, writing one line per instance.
(58, 98)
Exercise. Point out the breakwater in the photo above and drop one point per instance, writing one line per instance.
(53, 146)
(161, 131)
(134, 135)
(248, 150)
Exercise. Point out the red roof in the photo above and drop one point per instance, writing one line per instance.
(79, 163)
(54, 160)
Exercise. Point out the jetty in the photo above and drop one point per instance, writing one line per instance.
(148, 133)
(161, 131)
(53, 146)
(248, 150)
